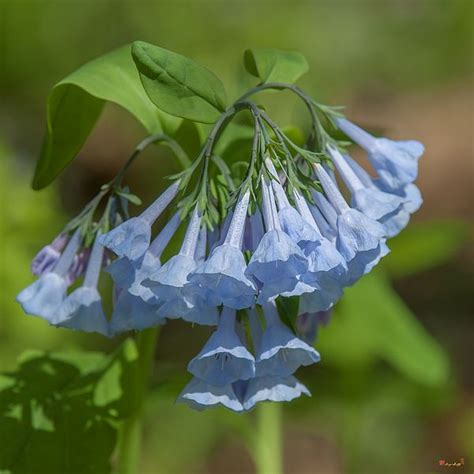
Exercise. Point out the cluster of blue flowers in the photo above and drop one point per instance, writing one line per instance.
(276, 242)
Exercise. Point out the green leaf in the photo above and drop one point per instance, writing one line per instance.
(178, 85)
(371, 323)
(133, 198)
(424, 246)
(75, 104)
(273, 65)
(67, 404)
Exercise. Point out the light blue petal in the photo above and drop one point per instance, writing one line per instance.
(394, 223)
(281, 353)
(167, 282)
(357, 233)
(270, 290)
(223, 274)
(328, 292)
(365, 261)
(324, 259)
(296, 227)
(276, 257)
(122, 271)
(45, 260)
(375, 203)
(414, 198)
(199, 395)
(131, 313)
(274, 389)
(130, 239)
(44, 296)
(307, 324)
(148, 265)
(82, 310)
(191, 309)
(224, 359)
(396, 162)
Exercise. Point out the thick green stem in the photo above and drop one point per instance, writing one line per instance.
(268, 446)
(130, 442)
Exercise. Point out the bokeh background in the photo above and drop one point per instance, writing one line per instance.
(401, 66)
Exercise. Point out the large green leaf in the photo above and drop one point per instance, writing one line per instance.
(273, 65)
(178, 85)
(58, 412)
(424, 246)
(76, 102)
(371, 323)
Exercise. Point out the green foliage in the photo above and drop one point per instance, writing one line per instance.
(59, 411)
(178, 85)
(373, 323)
(424, 246)
(273, 65)
(75, 103)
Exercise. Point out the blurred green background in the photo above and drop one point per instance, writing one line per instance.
(394, 391)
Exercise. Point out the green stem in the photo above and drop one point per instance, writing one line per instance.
(268, 447)
(130, 442)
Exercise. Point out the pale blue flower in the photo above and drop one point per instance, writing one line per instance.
(48, 256)
(191, 308)
(224, 359)
(131, 239)
(360, 239)
(396, 162)
(277, 261)
(130, 274)
(221, 278)
(366, 198)
(44, 296)
(280, 352)
(133, 313)
(200, 395)
(82, 309)
(273, 388)
(396, 220)
(307, 324)
(167, 282)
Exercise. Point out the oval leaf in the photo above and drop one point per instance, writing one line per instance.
(178, 85)
(75, 103)
(274, 65)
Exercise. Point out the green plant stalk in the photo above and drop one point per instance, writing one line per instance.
(268, 447)
(131, 432)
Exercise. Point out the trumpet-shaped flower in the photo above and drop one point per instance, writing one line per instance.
(82, 309)
(131, 239)
(200, 395)
(360, 239)
(221, 278)
(274, 389)
(224, 359)
(280, 352)
(277, 261)
(366, 197)
(396, 162)
(133, 313)
(307, 324)
(130, 274)
(48, 256)
(167, 282)
(44, 296)
(191, 308)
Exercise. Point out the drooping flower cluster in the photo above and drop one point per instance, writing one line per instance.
(298, 224)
